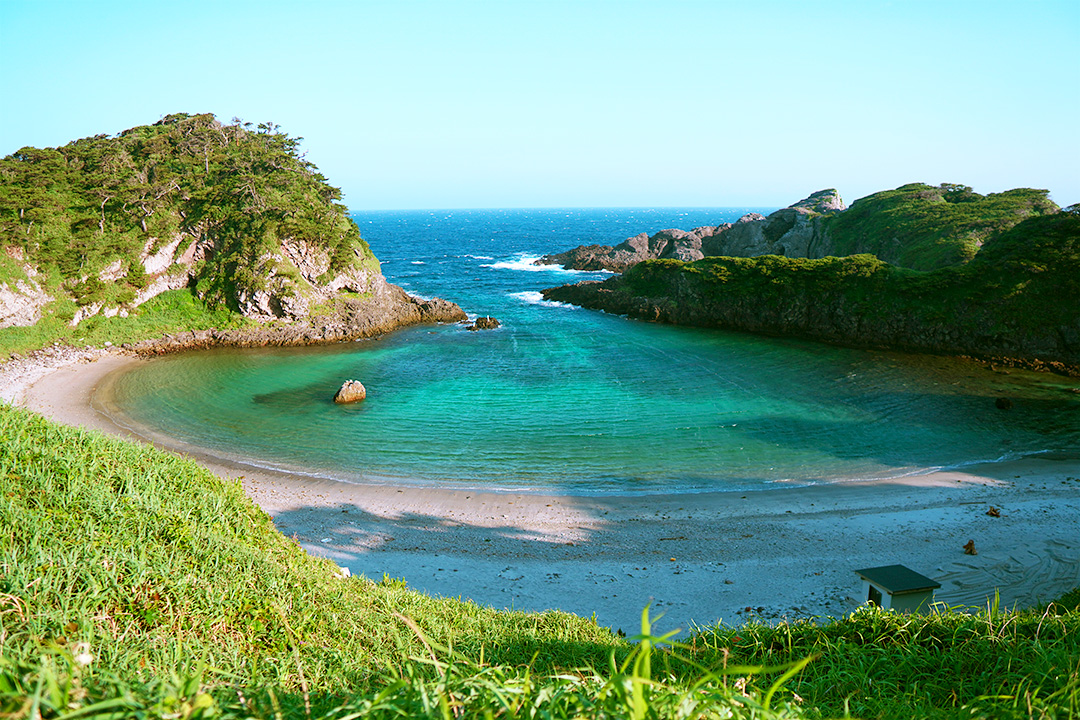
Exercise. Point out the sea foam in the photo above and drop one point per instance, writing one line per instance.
(527, 263)
(535, 298)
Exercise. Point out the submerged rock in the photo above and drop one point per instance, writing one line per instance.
(351, 391)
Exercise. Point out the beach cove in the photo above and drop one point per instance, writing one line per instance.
(698, 558)
(580, 461)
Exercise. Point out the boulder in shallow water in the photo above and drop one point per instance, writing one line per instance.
(351, 391)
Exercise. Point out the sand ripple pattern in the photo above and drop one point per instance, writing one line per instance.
(1024, 576)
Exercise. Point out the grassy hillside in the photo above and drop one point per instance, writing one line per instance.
(923, 227)
(986, 664)
(161, 569)
(136, 584)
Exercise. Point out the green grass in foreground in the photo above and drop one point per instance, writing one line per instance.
(136, 584)
(946, 664)
(172, 311)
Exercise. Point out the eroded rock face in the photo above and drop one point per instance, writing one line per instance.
(295, 279)
(672, 243)
(351, 391)
(21, 303)
(822, 202)
(386, 308)
(790, 231)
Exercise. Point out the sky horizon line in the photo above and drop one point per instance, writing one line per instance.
(737, 206)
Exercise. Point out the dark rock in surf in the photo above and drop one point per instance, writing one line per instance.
(484, 323)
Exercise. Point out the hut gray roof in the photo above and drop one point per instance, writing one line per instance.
(897, 579)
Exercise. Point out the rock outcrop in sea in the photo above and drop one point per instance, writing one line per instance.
(351, 391)
(484, 323)
(789, 231)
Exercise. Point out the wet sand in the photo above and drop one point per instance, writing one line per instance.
(698, 559)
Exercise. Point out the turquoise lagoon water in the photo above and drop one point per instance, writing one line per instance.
(567, 400)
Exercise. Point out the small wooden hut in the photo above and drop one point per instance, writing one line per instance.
(895, 587)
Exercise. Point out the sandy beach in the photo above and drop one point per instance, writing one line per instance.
(698, 559)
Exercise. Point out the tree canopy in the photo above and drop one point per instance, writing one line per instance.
(73, 211)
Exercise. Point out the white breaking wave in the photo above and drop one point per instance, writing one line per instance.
(480, 257)
(418, 262)
(526, 263)
(535, 298)
(418, 296)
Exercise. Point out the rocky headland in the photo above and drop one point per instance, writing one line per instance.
(1009, 295)
(230, 215)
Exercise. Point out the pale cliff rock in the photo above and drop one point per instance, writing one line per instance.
(21, 298)
(112, 272)
(156, 262)
(21, 302)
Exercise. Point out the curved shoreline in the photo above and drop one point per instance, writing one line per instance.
(789, 550)
(112, 415)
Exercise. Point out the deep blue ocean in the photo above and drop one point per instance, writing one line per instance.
(561, 399)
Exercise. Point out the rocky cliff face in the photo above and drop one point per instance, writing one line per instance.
(356, 302)
(791, 231)
(834, 319)
(387, 308)
(676, 244)
(22, 297)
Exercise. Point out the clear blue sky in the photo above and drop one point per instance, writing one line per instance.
(585, 103)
